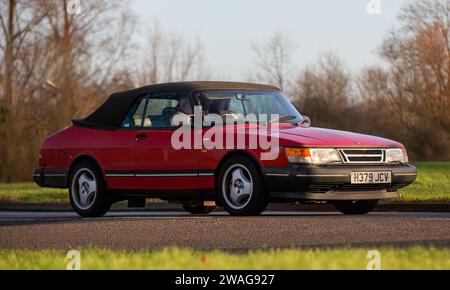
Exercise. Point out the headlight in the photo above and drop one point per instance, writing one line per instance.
(313, 155)
(396, 156)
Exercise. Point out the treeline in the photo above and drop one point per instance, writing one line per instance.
(406, 97)
(55, 66)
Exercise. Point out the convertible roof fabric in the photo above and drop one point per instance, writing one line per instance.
(110, 115)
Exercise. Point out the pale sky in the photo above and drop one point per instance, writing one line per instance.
(227, 28)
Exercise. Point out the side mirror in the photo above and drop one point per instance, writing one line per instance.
(307, 120)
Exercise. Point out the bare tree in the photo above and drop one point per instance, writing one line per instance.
(372, 85)
(273, 58)
(171, 58)
(16, 31)
(55, 66)
(419, 57)
(371, 111)
(88, 51)
(323, 92)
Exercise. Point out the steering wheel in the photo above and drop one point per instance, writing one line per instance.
(169, 111)
(231, 114)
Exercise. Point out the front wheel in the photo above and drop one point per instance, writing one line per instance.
(87, 191)
(241, 188)
(360, 207)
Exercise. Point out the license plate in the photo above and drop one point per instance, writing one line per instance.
(371, 177)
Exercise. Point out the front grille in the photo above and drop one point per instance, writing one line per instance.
(363, 156)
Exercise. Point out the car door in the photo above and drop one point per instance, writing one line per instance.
(115, 150)
(158, 165)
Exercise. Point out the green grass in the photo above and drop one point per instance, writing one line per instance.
(183, 259)
(432, 185)
(31, 193)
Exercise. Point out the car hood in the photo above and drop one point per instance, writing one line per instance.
(300, 136)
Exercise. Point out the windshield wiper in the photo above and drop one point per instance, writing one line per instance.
(282, 119)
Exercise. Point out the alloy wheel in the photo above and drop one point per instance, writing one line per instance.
(84, 189)
(237, 186)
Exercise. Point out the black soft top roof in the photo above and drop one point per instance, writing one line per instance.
(111, 114)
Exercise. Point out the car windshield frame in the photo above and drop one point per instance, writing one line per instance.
(243, 96)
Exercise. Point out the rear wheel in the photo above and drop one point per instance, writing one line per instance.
(356, 207)
(198, 208)
(241, 188)
(87, 191)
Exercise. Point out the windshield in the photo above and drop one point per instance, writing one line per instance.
(246, 103)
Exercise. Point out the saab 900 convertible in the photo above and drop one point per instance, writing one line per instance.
(124, 152)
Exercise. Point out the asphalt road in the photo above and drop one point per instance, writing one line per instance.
(138, 231)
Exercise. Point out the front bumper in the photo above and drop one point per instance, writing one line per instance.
(329, 183)
(53, 178)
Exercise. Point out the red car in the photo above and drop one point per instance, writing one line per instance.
(125, 152)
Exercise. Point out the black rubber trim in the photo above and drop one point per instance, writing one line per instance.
(138, 173)
(278, 171)
(90, 125)
(333, 196)
(52, 178)
(304, 180)
(166, 172)
(119, 172)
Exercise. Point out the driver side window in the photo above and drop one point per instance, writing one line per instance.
(153, 112)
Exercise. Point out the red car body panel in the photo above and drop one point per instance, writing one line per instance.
(317, 137)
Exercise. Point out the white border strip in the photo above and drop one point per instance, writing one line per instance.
(277, 174)
(54, 175)
(205, 174)
(160, 175)
(166, 175)
(119, 175)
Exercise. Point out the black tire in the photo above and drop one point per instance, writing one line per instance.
(97, 204)
(360, 207)
(198, 208)
(257, 202)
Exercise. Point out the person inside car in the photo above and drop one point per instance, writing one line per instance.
(181, 114)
